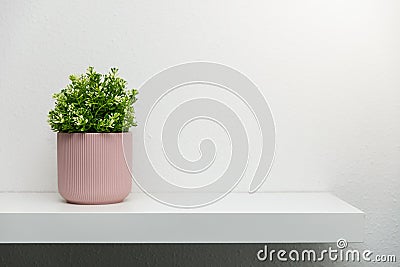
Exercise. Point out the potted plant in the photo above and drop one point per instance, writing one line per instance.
(92, 117)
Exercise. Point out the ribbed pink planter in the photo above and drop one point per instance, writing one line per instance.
(92, 167)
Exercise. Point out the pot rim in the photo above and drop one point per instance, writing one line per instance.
(118, 133)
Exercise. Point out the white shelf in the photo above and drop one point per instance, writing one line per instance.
(237, 218)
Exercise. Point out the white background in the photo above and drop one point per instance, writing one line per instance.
(329, 69)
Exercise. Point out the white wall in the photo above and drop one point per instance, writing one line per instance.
(329, 69)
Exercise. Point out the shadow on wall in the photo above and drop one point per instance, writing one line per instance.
(151, 255)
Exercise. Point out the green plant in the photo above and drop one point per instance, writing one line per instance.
(94, 102)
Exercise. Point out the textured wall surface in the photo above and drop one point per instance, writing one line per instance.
(329, 69)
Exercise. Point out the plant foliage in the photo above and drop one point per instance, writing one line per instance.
(94, 102)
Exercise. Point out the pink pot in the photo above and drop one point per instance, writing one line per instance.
(92, 167)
